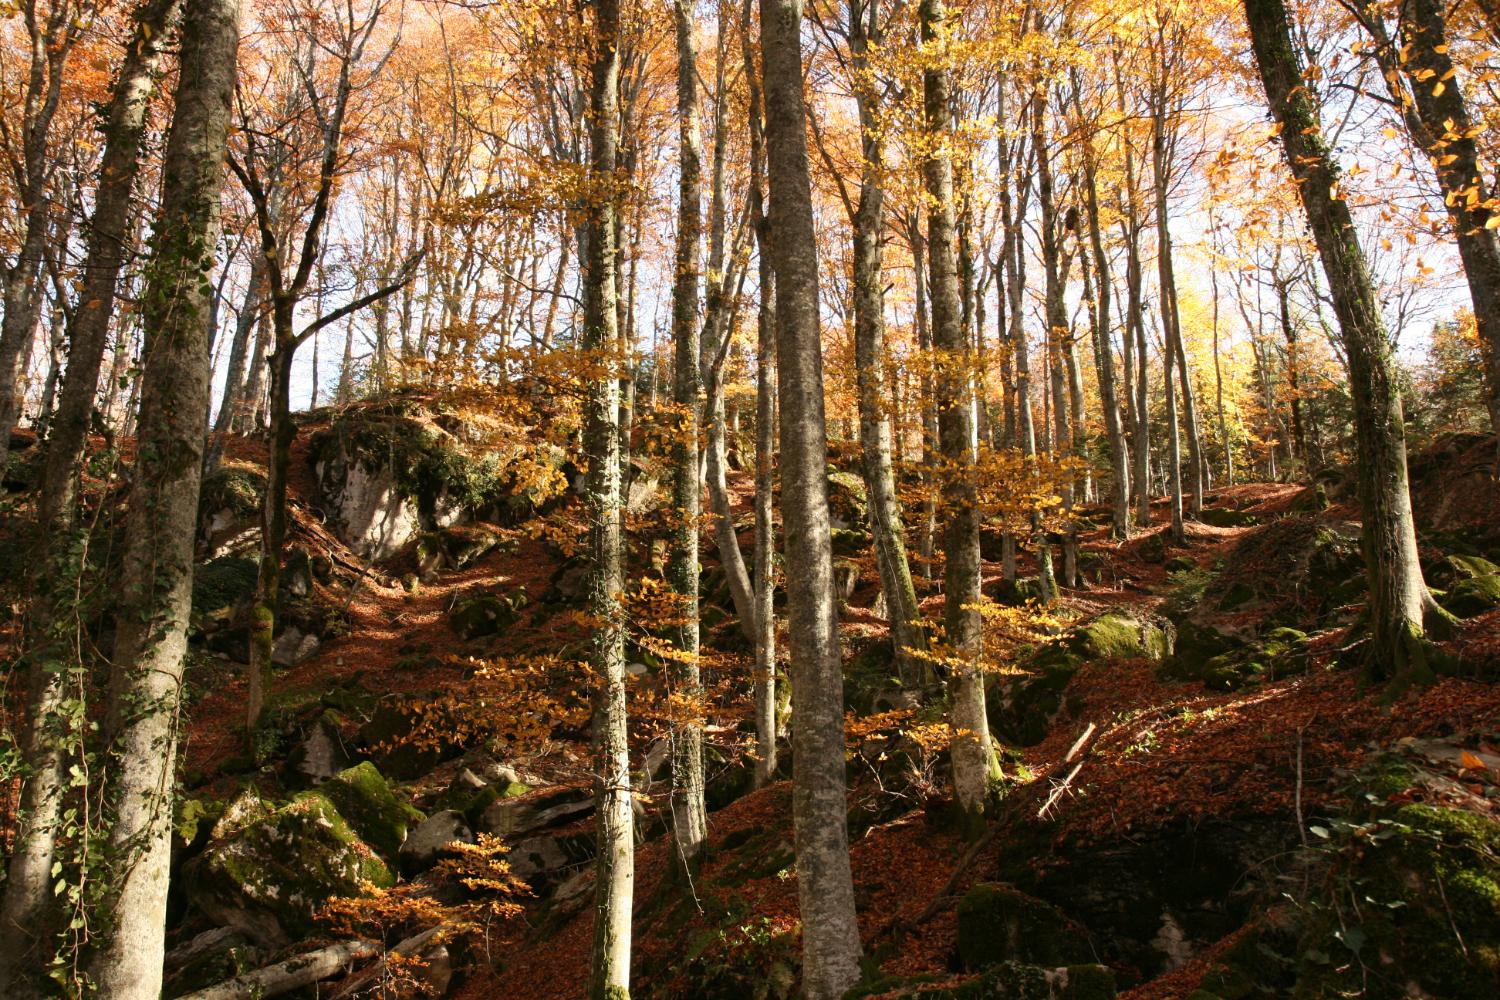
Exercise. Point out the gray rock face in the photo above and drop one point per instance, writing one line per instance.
(514, 819)
(425, 844)
(371, 515)
(293, 646)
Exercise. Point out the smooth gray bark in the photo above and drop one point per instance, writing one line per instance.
(689, 815)
(825, 883)
(156, 585)
(614, 884)
(974, 761)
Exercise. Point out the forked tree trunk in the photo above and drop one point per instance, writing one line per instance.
(609, 972)
(974, 762)
(157, 568)
(1400, 604)
(825, 883)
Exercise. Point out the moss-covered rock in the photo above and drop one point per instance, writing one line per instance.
(1406, 903)
(847, 499)
(1452, 568)
(1226, 517)
(1019, 981)
(1473, 596)
(1022, 710)
(365, 799)
(220, 587)
(487, 614)
(997, 923)
(269, 877)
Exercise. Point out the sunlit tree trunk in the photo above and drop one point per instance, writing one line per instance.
(1436, 112)
(689, 819)
(28, 889)
(825, 883)
(974, 762)
(157, 568)
(1104, 357)
(870, 355)
(609, 975)
(1400, 605)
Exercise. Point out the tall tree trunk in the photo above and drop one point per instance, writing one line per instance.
(825, 883)
(1400, 604)
(689, 817)
(28, 883)
(156, 591)
(974, 762)
(239, 358)
(902, 609)
(927, 540)
(764, 557)
(609, 975)
(1104, 358)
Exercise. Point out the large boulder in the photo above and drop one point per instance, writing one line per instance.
(1020, 981)
(229, 509)
(997, 923)
(516, 818)
(486, 614)
(366, 800)
(268, 872)
(427, 842)
(1022, 710)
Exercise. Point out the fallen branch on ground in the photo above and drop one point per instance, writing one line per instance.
(293, 973)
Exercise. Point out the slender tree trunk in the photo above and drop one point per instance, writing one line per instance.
(1400, 604)
(902, 609)
(974, 762)
(273, 518)
(609, 976)
(927, 540)
(156, 591)
(825, 883)
(764, 556)
(689, 819)
(1119, 451)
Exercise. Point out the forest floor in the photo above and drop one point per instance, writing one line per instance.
(1135, 757)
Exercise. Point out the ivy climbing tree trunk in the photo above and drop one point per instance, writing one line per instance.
(825, 882)
(974, 761)
(1401, 607)
(614, 884)
(28, 885)
(157, 567)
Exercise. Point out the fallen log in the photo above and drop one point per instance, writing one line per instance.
(293, 973)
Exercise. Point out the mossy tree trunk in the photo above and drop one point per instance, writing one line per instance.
(157, 567)
(974, 761)
(614, 885)
(870, 355)
(1400, 604)
(825, 882)
(28, 891)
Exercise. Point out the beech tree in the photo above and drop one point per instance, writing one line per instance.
(156, 589)
(825, 883)
(1401, 607)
